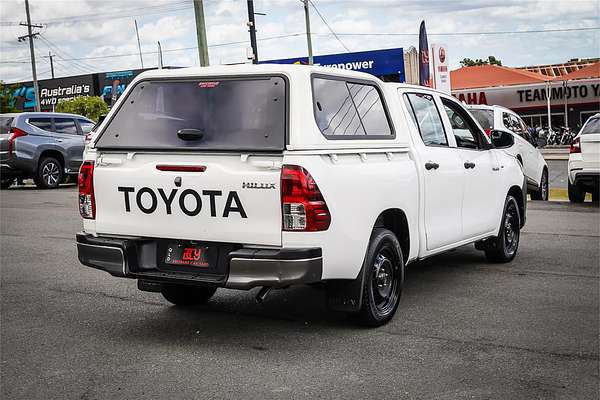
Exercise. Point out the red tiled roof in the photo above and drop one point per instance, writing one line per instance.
(492, 75)
(591, 71)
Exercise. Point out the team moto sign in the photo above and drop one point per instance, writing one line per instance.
(536, 95)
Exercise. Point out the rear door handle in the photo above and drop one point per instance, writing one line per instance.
(58, 140)
(431, 165)
(495, 168)
(469, 164)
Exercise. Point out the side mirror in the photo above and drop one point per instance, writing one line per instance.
(502, 139)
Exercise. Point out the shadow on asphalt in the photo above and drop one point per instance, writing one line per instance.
(234, 317)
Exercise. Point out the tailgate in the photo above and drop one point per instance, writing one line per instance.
(222, 197)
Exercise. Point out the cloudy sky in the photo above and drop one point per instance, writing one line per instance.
(99, 35)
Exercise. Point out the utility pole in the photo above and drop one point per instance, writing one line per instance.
(308, 38)
(139, 45)
(252, 26)
(30, 35)
(201, 33)
(51, 57)
(160, 62)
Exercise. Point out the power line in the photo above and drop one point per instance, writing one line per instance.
(328, 27)
(463, 33)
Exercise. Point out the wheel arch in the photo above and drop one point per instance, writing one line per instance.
(396, 221)
(51, 153)
(519, 196)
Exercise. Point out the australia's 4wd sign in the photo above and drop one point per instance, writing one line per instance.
(376, 62)
(526, 96)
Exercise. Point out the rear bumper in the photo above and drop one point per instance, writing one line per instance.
(246, 268)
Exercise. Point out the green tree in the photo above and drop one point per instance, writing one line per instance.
(6, 99)
(88, 106)
(491, 60)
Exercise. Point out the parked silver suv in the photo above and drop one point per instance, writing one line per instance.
(47, 147)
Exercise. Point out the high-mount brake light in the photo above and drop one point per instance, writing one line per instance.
(14, 134)
(575, 146)
(302, 204)
(87, 203)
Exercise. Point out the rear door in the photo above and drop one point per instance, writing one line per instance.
(68, 137)
(590, 143)
(194, 159)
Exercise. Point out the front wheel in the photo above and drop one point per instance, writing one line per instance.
(542, 192)
(503, 248)
(576, 194)
(185, 296)
(384, 276)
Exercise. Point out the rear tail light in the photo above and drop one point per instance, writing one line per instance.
(488, 132)
(302, 204)
(14, 134)
(87, 203)
(575, 146)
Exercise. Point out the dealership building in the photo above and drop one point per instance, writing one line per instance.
(573, 89)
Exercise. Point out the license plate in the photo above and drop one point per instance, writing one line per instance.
(188, 254)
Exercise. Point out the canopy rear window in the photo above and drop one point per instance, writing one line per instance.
(221, 114)
(5, 123)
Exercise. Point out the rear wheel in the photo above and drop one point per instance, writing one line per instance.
(384, 277)
(5, 183)
(576, 194)
(503, 248)
(49, 173)
(542, 192)
(182, 295)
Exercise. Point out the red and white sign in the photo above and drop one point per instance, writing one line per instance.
(441, 74)
(533, 95)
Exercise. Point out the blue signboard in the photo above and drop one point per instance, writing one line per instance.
(376, 62)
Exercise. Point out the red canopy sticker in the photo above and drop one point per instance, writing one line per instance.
(208, 85)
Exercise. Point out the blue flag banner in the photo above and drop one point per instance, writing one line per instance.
(424, 79)
(376, 62)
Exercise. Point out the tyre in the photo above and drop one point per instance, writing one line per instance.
(49, 173)
(183, 295)
(5, 183)
(383, 279)
(576, 194)
(503, 248)
(596, 195)
(542, 192)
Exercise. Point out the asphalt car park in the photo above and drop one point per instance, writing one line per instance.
(465, 328)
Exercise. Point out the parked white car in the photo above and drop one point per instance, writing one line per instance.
(275, 175)
(584, 162)
(534, 166)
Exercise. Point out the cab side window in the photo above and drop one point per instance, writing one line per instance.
(465, 131)
(65, 125)
(426, 116)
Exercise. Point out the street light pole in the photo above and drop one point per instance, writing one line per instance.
(137, 33)
(308, 37)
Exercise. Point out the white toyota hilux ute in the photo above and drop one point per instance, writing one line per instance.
(276, 175)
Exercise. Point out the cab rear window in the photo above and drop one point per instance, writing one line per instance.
(221, 114)
(593, 126)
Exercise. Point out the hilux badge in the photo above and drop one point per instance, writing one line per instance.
(254, 185)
